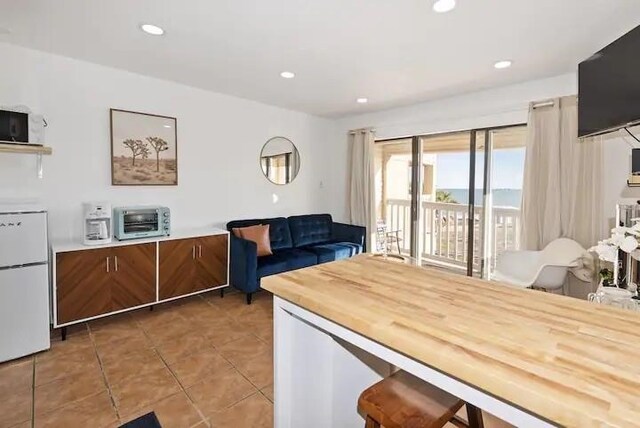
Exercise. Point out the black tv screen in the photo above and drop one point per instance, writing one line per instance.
(609, 87)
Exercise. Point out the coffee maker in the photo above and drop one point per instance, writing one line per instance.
(97, 223)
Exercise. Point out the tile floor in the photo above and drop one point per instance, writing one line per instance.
(199, 362)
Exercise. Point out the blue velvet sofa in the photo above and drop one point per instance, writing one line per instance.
(296, 242)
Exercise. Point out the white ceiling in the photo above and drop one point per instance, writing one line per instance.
(395, 52)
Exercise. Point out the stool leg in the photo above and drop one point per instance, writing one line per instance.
(371, 423)
(474, 416)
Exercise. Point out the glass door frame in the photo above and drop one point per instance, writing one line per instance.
(471, 202)
(486, 221)
(487, 213)
(416, 190)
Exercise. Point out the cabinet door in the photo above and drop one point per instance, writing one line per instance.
(177, 271)
(211, 259)
(133, 276)
(82, 284)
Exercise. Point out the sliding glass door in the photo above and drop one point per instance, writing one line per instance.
(443, 214)
(393, 163)
(505, 151)
(442, 220)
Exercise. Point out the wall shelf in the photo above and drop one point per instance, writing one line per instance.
(28, 149)
(25, 149)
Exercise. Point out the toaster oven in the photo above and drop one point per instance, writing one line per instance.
(141, 222)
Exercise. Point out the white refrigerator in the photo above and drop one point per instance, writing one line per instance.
(24, 281)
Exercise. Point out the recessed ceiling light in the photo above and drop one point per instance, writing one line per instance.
(442, 6)
(288, 74)
(502, 64)
(154, 30)
(167, 126)
(362, 100)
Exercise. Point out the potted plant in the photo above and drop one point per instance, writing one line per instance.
(606, 278)
(622, 238)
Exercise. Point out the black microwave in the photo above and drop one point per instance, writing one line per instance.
(14, 127)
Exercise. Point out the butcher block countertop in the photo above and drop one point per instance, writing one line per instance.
(564, 360)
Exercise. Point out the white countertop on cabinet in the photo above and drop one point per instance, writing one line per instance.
(61, 246)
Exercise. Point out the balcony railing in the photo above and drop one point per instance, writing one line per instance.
(443, 230)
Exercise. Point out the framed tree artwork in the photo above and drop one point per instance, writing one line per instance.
(144, 149)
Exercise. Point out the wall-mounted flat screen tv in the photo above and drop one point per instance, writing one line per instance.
(609, 87)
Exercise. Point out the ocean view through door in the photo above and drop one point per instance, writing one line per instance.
(450, 226)
(503, 198)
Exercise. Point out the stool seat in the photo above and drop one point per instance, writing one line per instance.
(405, 401)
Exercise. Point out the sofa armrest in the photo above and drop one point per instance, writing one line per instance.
(243, 264)
(350, 233)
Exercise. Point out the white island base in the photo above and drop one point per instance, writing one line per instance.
(321, 368)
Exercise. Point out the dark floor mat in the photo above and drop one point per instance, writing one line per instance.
(149, 420)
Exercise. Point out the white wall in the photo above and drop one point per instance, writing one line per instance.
(492, 107)
(617, 167)
(219, 142)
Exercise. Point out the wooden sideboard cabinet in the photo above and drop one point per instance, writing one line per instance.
(133, 276)
(212, 260)
(191, 265)
(82, 284)
(92, 282)
(177, 268)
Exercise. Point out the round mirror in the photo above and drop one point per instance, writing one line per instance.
(280, 160)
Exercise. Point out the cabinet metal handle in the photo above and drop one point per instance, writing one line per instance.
(193, 252)
(200, 251)
(107, 264)
(115, 259)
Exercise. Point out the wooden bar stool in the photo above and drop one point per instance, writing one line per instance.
(404, 401)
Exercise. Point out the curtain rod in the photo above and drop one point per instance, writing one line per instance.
(363, 130)
(549, 103)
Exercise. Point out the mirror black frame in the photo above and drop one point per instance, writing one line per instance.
(291, 174)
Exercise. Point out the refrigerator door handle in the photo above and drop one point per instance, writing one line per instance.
(23, 265)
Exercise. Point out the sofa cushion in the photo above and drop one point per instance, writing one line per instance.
(355, 248)
(242, 223)
(298, 259)
(258, 234)
(285, 260)
(310, 229)
(271, 265)
(330, 252)
(279, 233)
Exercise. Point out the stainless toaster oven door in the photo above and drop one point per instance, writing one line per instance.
(140, 221)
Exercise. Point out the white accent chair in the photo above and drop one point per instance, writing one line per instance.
(541, 269)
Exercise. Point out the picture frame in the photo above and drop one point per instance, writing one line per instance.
(144, 149)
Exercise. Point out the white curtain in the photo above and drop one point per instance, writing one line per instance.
(361, 195)
(563, 179)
